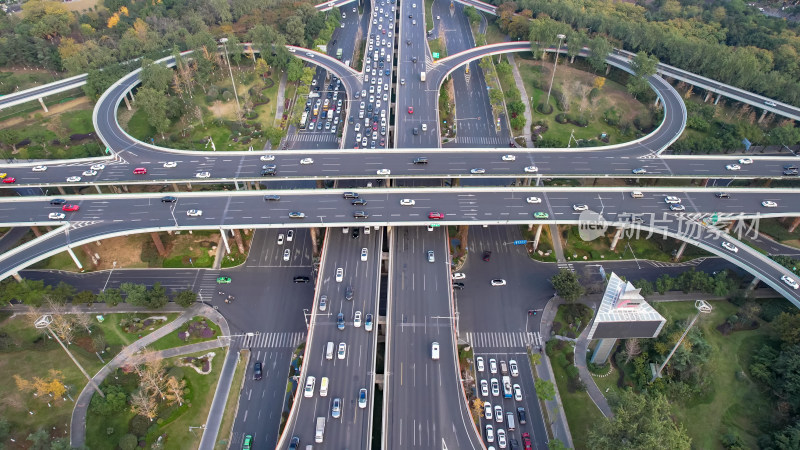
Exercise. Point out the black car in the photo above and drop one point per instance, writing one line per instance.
(513, 444)
(415, 131)
(268, 198)
(790, 172)
(487, 255)
(301, 279)
(257, 370)
(295, 443)
(355, 233)
(268, 172)
(348, 293)
(169, 199)
(359, 215)
(458, 286)
(58, 201)
(522, 416)
(359, 201)
(722, 195)
(420, 160)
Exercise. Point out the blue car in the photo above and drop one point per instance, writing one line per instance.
(340, 321)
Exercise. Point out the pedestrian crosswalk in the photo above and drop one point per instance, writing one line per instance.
(270, 340)
(566, 266)
(313, 137)
(690, 263)
(207, 287)
(502, 340)
(481, 140)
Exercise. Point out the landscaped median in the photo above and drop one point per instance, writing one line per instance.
(232, 405)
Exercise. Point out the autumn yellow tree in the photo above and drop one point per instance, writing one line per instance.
(144, 405)
(599, 82)
(175, 391)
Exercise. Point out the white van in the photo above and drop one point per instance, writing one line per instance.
(637, 194)
(509, 420)
(435, 350)
(323, 387)
(329, 351)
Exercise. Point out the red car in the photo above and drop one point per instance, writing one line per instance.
(70, 208)
(411, 110)
(435, 215)
(526, 440)
(9, 180)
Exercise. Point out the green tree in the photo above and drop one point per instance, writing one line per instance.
(111, 297)
(155, 76)
(221, 10)
(48, 19)
(472, 14)
(135, 294)
(62, 293)
(9, 138)
(5, 428)
(84, 297)
(496, 96)
(157, 296)
(40, 440)
(567, 285)
(786, 327)
(640, 421)
(556, 444)
(185, 298)
(29, 292)
(599, 48)
(154, 104)
(545, 390)
(128, 442)
(295, 70)
(274, 135)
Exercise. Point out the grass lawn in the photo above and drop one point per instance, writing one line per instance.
(736, 403)
(192, 252)
(117, 336)
(436, 47)
(780, 231)
(581, 412)
(172, 340)
(493, 33)
(62, 261)
(655, 248)
(228, 416)
(545, 243)
(429, 16)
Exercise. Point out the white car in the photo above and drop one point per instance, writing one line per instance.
(498, 413)
(459, 276)
(509, 158)
(531, 169)
(309, 389)
(477, 171)
(364, 253)
(495, 387)
(492, 365)
(368, 323)
(769, 204)
(280, 239)
(194, 213)
(407, 202)
(580, 207)
(733, 167)
(501, 438)
(267, 158)
(170, 164)
(479, 363)
(306, 161)
(384, 172)
(357, 319)
(487, 410)
(517, 393)
(730, 247)
(342, 351)
(73, 179)
(512, 367)
(498, 282)
(202, 175)
(98, 166)
(39, 168)
(489, 433)
(56, 216)
(339, 275)
(790, 281)
(484, 388)
(745, 161)
(671, 199)
(89, 173)
(424, 127)
(286, 254)
(534, 200)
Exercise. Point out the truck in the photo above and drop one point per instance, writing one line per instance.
(339, 54)
(320, 430)
(507, 387)
(303, 119)
(422, 76)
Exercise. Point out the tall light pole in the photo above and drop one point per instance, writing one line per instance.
(552, 79)
(702, 308)
(44, 322)
(224, 42)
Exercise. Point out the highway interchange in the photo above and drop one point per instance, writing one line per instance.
(424, 404)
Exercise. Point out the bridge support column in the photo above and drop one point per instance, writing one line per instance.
(225, 240)
(97, 186)
(17, 277)
(61, 190)
(36, 231)
(159, 245)
(719, 96)
(247, 186)
(237, 235)
(614, 241)
(761, 117)
(707, 97)
(75, 258)
(236, 183)
(680, 251)
(44, 107)
(794, 225)
(131, 94)
(189, 186)
(175, 187)
(127, 102)
(657, 102)
(705, 182)
(536, 238)
(753, 284)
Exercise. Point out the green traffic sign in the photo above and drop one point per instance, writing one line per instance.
(714, 218)
(435, 55)
(434, 225)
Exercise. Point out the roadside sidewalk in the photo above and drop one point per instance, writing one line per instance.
(525, 99)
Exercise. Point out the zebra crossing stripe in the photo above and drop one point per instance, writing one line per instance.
(271, 340)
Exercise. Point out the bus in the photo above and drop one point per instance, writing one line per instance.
(303, 120)
(507, 387)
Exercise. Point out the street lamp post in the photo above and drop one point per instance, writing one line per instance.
(552, 79)
(224, 42)
(44, 322)
(702, 308)
(113, 266)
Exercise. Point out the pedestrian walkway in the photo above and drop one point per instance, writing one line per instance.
(270, 340)
(326, 136)
(581, 350)
(481, 140)
(544, 371)
(502, 340)
(525, 99)
(280, 100)
(78, 421)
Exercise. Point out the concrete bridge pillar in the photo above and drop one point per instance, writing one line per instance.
(257, 185)
(794, 225)
(44, 107)
(131, 94)
(189, 186)
(127, 102)
(753, 284)
(175, 187)
(536, 238)
(680, 251)
(707, 97)
(761, 117)
(61, 190)
(36, 231)
(236, 183)
(75, 258)
(719, 96)
(97, 186)
(225, 240)
(657, 102)
(614, 241)
(17, 277)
